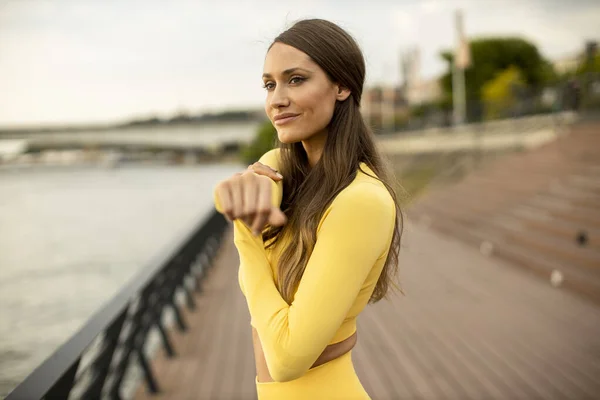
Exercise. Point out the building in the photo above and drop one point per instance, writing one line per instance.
(424, 92)
(387, 107)
(567, 63)
(383, 106)
(417, 90)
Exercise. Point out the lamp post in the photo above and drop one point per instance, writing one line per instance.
(460, 62)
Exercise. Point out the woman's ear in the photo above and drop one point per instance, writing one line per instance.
(342, 93)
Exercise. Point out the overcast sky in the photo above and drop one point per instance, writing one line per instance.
(64, 61)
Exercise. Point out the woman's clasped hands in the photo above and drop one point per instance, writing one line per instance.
(247, 196)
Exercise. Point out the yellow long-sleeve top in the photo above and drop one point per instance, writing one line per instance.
(353, 240)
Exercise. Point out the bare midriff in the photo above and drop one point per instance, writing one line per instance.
(331, 352)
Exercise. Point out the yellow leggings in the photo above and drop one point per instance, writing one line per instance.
(335, 379)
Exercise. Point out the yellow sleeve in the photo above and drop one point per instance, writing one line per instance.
(354, 233)
(271, 159)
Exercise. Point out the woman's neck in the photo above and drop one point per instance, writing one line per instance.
(314, 148)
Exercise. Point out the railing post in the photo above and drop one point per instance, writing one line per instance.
(189, 298)
(63, 387)
(165, 339)
(201, 263)
(150, 380)
(112, 337)
(118, 370)
(175, 278)
(178, 317)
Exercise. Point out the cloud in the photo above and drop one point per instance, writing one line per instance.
(432, 6)
(84, 60)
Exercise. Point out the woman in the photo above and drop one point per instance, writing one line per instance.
(321, 241)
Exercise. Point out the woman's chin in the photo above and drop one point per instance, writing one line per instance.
(286, 137)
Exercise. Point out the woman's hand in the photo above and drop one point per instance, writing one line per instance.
(265, 170)
(247, 196)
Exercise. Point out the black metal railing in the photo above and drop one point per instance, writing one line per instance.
(92, 364)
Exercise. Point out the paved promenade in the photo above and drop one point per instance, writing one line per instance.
(469, 327)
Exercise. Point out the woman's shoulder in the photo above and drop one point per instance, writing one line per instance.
(366, 190)
(271, 158)
(365, 175)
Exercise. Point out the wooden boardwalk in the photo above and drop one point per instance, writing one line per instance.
(531, 208)
(470, 327)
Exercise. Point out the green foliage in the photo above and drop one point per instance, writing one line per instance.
(424, 109)
(490, 56)
(186, 118)
(589, 66)
(498, 94)
(265, 140)
(588, 73)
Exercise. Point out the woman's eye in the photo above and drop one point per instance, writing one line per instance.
(268, 85)
(296, 79)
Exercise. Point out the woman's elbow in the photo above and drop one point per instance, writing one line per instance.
(281, 372)
(286, 374)
(285, 366)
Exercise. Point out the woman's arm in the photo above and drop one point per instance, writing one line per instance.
(270, 159)
(355, 232)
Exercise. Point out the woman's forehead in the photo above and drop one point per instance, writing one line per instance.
(282, 57)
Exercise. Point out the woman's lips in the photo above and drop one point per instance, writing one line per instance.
(285, 120)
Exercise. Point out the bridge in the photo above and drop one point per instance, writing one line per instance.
(199, 140)
(502, 277)
(202, 141)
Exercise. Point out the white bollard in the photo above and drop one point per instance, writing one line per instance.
(556, 278)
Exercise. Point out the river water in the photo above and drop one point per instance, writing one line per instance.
(71, 237)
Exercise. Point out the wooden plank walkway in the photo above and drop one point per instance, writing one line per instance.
(531, 208)
(470, 327)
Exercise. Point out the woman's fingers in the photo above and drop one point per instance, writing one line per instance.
(251, 190)
(263, 206)
(277, 217)
(265, 170)
(237, 196)
(224, 195)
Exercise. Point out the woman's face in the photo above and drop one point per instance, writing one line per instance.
(300, 96)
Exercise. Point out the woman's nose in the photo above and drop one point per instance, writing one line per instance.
(279, 98)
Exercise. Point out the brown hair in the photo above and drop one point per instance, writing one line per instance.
(307, 192)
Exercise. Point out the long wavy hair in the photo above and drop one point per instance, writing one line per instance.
(307, 192)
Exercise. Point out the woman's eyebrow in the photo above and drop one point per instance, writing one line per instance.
(287, 72)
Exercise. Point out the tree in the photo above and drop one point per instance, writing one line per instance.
(490, 56)
(499, 94)
(591, 66)
(264, 141)
(588, 74)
